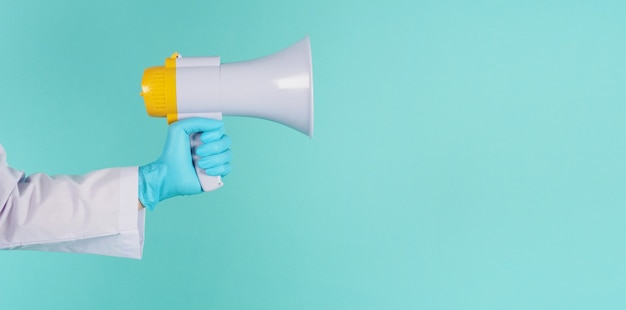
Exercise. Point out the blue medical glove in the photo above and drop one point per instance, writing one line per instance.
(173, 173)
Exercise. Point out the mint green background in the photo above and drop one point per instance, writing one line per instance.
(467, 155)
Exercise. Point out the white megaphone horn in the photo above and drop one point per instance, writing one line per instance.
(278, 87)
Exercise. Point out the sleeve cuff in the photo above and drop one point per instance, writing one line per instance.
(132, 220)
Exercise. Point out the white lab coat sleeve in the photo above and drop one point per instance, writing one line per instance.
(95, 213)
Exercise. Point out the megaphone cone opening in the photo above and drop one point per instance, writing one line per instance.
(312, 103)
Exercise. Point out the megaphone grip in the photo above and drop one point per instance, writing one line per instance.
(208, 182)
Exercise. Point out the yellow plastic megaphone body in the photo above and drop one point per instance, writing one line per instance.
(278, 87)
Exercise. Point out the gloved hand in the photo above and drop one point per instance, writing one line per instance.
(173, 173)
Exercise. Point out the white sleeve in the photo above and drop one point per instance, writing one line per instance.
(95, 213)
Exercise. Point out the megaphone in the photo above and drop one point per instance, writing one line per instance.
(278, 87)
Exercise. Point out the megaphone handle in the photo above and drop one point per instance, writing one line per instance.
(208, 182)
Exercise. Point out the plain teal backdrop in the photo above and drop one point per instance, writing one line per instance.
(467, 155)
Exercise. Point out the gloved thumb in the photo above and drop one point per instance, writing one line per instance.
(179, 132)
(191, 125)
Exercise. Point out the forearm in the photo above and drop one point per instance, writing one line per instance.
(88, 214)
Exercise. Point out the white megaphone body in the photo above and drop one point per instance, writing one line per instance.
(278, 87)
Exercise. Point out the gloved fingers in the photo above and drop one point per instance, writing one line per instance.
(213, 135)
(214, 147)
(212, 161)
(196, 124)
(222, 170)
